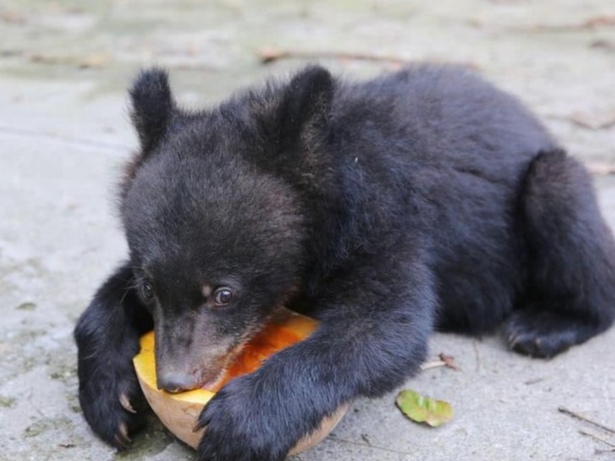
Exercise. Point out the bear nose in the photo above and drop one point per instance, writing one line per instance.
(176, 382)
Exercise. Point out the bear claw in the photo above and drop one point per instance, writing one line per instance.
(126, 404)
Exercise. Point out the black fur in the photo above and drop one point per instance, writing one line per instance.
(107, 335)
(419, 200)
(152, 107)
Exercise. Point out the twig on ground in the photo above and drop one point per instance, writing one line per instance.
(585, 419)
(476, 354)
(593, 23)
(432, 364)
(365, 445)
(533, 381)
(269, 55)
(595, 437)
(447, 361)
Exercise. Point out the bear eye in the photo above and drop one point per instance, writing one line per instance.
(147, 290)
(223, 296)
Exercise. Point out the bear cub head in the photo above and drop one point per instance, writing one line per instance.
(212, 211)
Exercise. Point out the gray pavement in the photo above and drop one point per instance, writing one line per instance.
(64, 135)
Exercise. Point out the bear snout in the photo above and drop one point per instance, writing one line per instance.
(176, 382)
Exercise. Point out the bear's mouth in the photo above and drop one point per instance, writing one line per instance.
(215, 383)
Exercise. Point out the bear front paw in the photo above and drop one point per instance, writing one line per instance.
(113, 405)
(239, 426)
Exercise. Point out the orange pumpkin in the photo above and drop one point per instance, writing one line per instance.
(179, 412)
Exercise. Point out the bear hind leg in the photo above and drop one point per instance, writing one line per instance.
(571, 260)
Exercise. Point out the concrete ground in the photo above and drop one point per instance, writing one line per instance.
(64, 134)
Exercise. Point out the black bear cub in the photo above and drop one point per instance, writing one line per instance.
(425, 199)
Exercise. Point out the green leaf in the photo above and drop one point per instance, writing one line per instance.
(423, 409)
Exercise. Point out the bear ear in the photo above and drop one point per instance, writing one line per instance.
(306, 104)
(152, 106)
